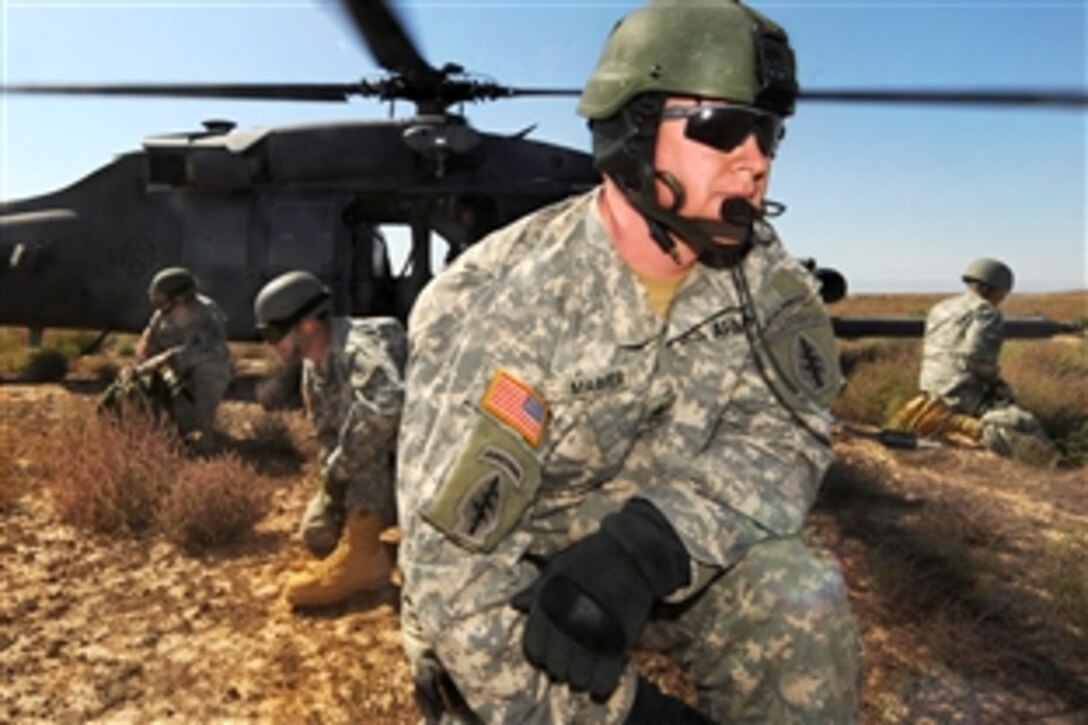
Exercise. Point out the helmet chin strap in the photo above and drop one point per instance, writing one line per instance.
(624, 149)
(736, 219)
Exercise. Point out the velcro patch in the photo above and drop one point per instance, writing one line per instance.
(517, 405)
(490, 486)
(802, 346)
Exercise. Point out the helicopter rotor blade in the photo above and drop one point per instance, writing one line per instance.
(384, 34)
(492, 91)
(952, 97)
(243, 91)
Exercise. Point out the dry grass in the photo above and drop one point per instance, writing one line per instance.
(1065, 567)
(947, 579)
(61, 352)
(880, 376)
(129, 474)
(1063, 306)
(1049, 376)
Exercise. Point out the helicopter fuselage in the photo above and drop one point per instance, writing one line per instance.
(239, 207)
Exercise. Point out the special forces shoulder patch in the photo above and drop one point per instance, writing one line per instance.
(496, 476)
(812, 368)
(801, 345)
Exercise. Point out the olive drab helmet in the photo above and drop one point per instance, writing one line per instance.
(287, 300)
(709, 49)
(990, 272)
(719, 49)
(171, 282)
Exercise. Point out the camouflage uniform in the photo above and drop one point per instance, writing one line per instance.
(960, 368)
(201, 365)
(673, 410)
(354, 403)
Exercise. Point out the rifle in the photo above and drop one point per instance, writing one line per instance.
(889, 437)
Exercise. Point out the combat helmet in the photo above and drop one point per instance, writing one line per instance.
(720, 50)
(990, 272)
(171, 282)
(287, 300)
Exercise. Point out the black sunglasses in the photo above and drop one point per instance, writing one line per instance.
(273, 332)
(725, 126)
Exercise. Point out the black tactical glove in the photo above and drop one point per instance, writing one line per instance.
(586, 608)
(652, 707)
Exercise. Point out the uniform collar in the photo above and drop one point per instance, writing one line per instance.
(617, 291)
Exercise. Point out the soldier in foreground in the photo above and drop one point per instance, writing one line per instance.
(963, 399)
(353, 392)
(186, 343)
(615, 419)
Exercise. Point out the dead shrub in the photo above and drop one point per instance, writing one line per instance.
(108, 474)
(1074, 446)
(274, 435)
(212, 503)
(46, 365)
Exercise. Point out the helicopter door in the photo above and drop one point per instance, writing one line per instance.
(371, 273)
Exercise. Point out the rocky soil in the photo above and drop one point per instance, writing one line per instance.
(134, 630)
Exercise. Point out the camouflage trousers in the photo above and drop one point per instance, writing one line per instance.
(323, 520)
(194, 404)
(771, 640)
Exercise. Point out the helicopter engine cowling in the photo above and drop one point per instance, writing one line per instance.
(200, 163)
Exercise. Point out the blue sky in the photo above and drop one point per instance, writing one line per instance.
(899, 199)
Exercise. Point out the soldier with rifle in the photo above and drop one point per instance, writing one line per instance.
(184, 363)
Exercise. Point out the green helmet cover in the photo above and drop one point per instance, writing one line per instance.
(711, 49)
(989, 272)
(289, 298)
(172, 282)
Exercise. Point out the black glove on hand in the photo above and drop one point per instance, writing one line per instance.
(587, 606)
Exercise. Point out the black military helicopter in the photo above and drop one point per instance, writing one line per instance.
(239, 206)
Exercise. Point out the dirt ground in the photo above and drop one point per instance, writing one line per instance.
(128, 630)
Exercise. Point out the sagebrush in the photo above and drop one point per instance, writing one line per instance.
(131, 474)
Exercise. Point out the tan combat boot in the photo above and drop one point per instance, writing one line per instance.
(359, 563)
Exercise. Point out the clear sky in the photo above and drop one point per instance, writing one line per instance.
(899, 199)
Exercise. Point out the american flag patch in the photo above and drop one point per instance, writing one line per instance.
(518, 405)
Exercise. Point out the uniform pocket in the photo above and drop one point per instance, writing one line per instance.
(591, 437)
